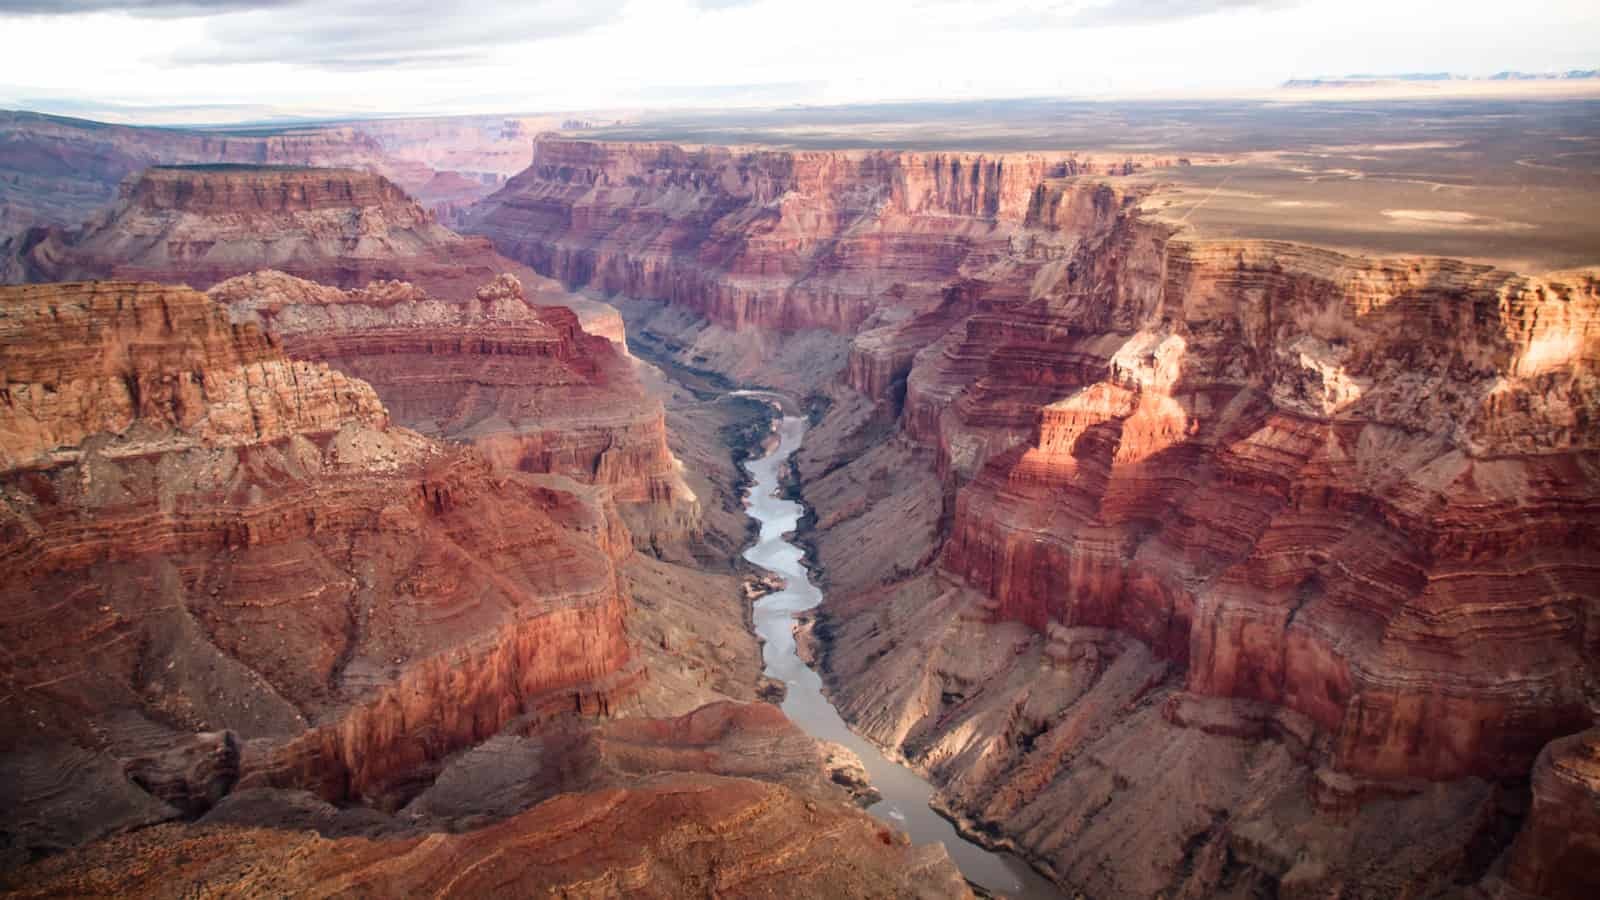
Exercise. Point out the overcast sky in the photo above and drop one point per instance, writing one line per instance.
(160, 60)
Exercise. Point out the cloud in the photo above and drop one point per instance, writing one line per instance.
(369, 34)
(154, 8)
(1136, 12)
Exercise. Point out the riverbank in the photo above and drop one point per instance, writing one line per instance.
(906, 795)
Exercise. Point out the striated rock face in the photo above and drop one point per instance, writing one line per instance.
(60, 170)
(200, 225)
(362, 660)
(768, 239)
(524, 383)
(200, 534)
(1317, 481)
(57, 171)
(1337, 508)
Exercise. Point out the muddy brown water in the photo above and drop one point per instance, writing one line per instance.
(905, 793)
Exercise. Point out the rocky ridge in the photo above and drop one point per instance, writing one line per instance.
(202, 224)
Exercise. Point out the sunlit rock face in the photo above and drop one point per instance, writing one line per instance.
(201, 534)
(1317, 481)
(523, 382)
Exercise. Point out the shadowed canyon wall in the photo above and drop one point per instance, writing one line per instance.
(1321, 518)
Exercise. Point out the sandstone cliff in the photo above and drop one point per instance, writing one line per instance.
(199, 225)
(756, 241)
(57, 170)
(524, 383)
(1360, 492)
(201, 534)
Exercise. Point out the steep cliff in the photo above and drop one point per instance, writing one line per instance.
(236, 593)
(57, 171)
(201, 534)
(1350, 499)
(757, 241)
(524, 383)
(199, 225)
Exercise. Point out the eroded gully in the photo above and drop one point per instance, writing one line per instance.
(905, 794)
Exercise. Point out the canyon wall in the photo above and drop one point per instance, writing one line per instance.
(1184, 493)
(237, 593)
(524, 383)
(755, 242)
(202, 534)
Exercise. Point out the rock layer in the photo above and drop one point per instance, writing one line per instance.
(756, 240)
(199, 225)
(524, 383)
(200, 534)
(728, 801)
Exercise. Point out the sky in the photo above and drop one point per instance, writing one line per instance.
(177, 61)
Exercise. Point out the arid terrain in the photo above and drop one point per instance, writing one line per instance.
(1202, 497)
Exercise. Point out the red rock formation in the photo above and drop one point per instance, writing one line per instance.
(201, 534)
(766, 239)
(60, 170)
(1316, 480)
(1361, 491)
(524, 383)
(200, 225)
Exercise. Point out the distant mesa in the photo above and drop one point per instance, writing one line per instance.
(1367, 80)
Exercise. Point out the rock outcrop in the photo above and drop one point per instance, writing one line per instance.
(199, 225)
(237, 594)
(1357, 492)
(524, 383)
(58, 171)
(1557, 854)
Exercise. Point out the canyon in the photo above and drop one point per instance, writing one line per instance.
(1279, 558)
(1181, 556)
(239, 593)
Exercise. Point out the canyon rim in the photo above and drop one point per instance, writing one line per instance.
(983, 463)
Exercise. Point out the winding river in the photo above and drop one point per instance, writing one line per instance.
(905, 794)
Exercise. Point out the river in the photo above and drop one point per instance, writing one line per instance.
(905, 794)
